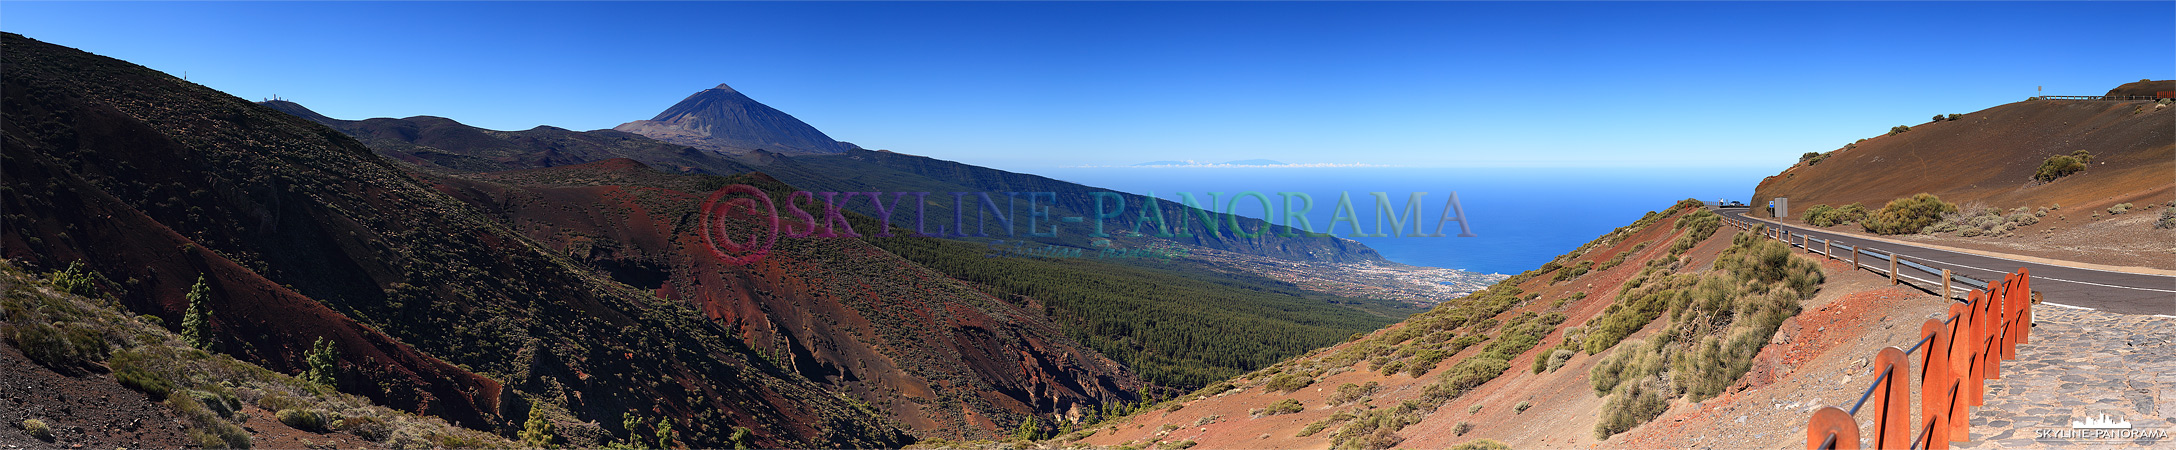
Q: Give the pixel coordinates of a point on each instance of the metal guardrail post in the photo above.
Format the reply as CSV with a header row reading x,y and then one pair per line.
x,y
1892,413
1832,428
1960,354
1960,371
2024,308
1827,249
1935,384
1945,284
1892,268
1855,258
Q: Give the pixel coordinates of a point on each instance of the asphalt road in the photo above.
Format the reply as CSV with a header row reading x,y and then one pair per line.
x,y
2119,292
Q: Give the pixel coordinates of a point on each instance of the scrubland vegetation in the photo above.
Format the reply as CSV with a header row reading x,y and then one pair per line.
x,y
69,333
1719,320
1908,215
2059,166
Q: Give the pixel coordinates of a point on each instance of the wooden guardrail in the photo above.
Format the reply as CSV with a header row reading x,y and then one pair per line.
x,y
1963,351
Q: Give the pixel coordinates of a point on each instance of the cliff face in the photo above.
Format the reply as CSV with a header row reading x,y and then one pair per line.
x,y
723,119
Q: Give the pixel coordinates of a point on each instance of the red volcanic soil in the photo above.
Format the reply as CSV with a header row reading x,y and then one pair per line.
x,y
934,353
1990,156
91,411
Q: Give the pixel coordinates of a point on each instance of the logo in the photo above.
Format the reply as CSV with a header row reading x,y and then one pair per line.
x,y
740,201
742,223
2100,427
2100,423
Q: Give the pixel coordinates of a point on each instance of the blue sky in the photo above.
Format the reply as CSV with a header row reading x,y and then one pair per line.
x,y
1022,86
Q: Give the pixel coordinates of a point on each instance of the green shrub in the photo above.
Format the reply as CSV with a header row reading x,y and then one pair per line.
x,y
369,428
2168,219
2059,166
1287,383
1461,428
1955,117
1325,423
1215,389
1908,215
1481,444
76,279
1899,129
311,420
66,347
1634,361
1180,445
1349,392
151,384
1825,216
1632,404
38,429
1286,406
1473,408
1558,358
1377,429
1702,223
206,428
1521,407
2119,208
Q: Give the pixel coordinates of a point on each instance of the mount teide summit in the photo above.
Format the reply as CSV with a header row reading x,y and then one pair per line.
x,y
725,120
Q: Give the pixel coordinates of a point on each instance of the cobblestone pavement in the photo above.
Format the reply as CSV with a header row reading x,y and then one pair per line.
x,y
2081,364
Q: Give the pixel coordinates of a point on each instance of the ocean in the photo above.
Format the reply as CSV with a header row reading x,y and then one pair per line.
x,y
1521,217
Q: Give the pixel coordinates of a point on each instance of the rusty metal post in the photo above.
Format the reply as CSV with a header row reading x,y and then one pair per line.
x,y
1991,327
2020,314
1973,344
1945,284
1833,427
1893,411
1855,257
1828,249
1959,392
1935,384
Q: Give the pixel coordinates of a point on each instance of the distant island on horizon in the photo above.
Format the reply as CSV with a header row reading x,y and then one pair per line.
x,y
1243,162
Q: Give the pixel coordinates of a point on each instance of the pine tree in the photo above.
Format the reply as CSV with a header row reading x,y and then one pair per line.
x,y
664,433
741,439
323,360
538,432
196,324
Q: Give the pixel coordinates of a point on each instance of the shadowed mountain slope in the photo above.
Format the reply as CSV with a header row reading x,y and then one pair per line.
x,y
303,233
